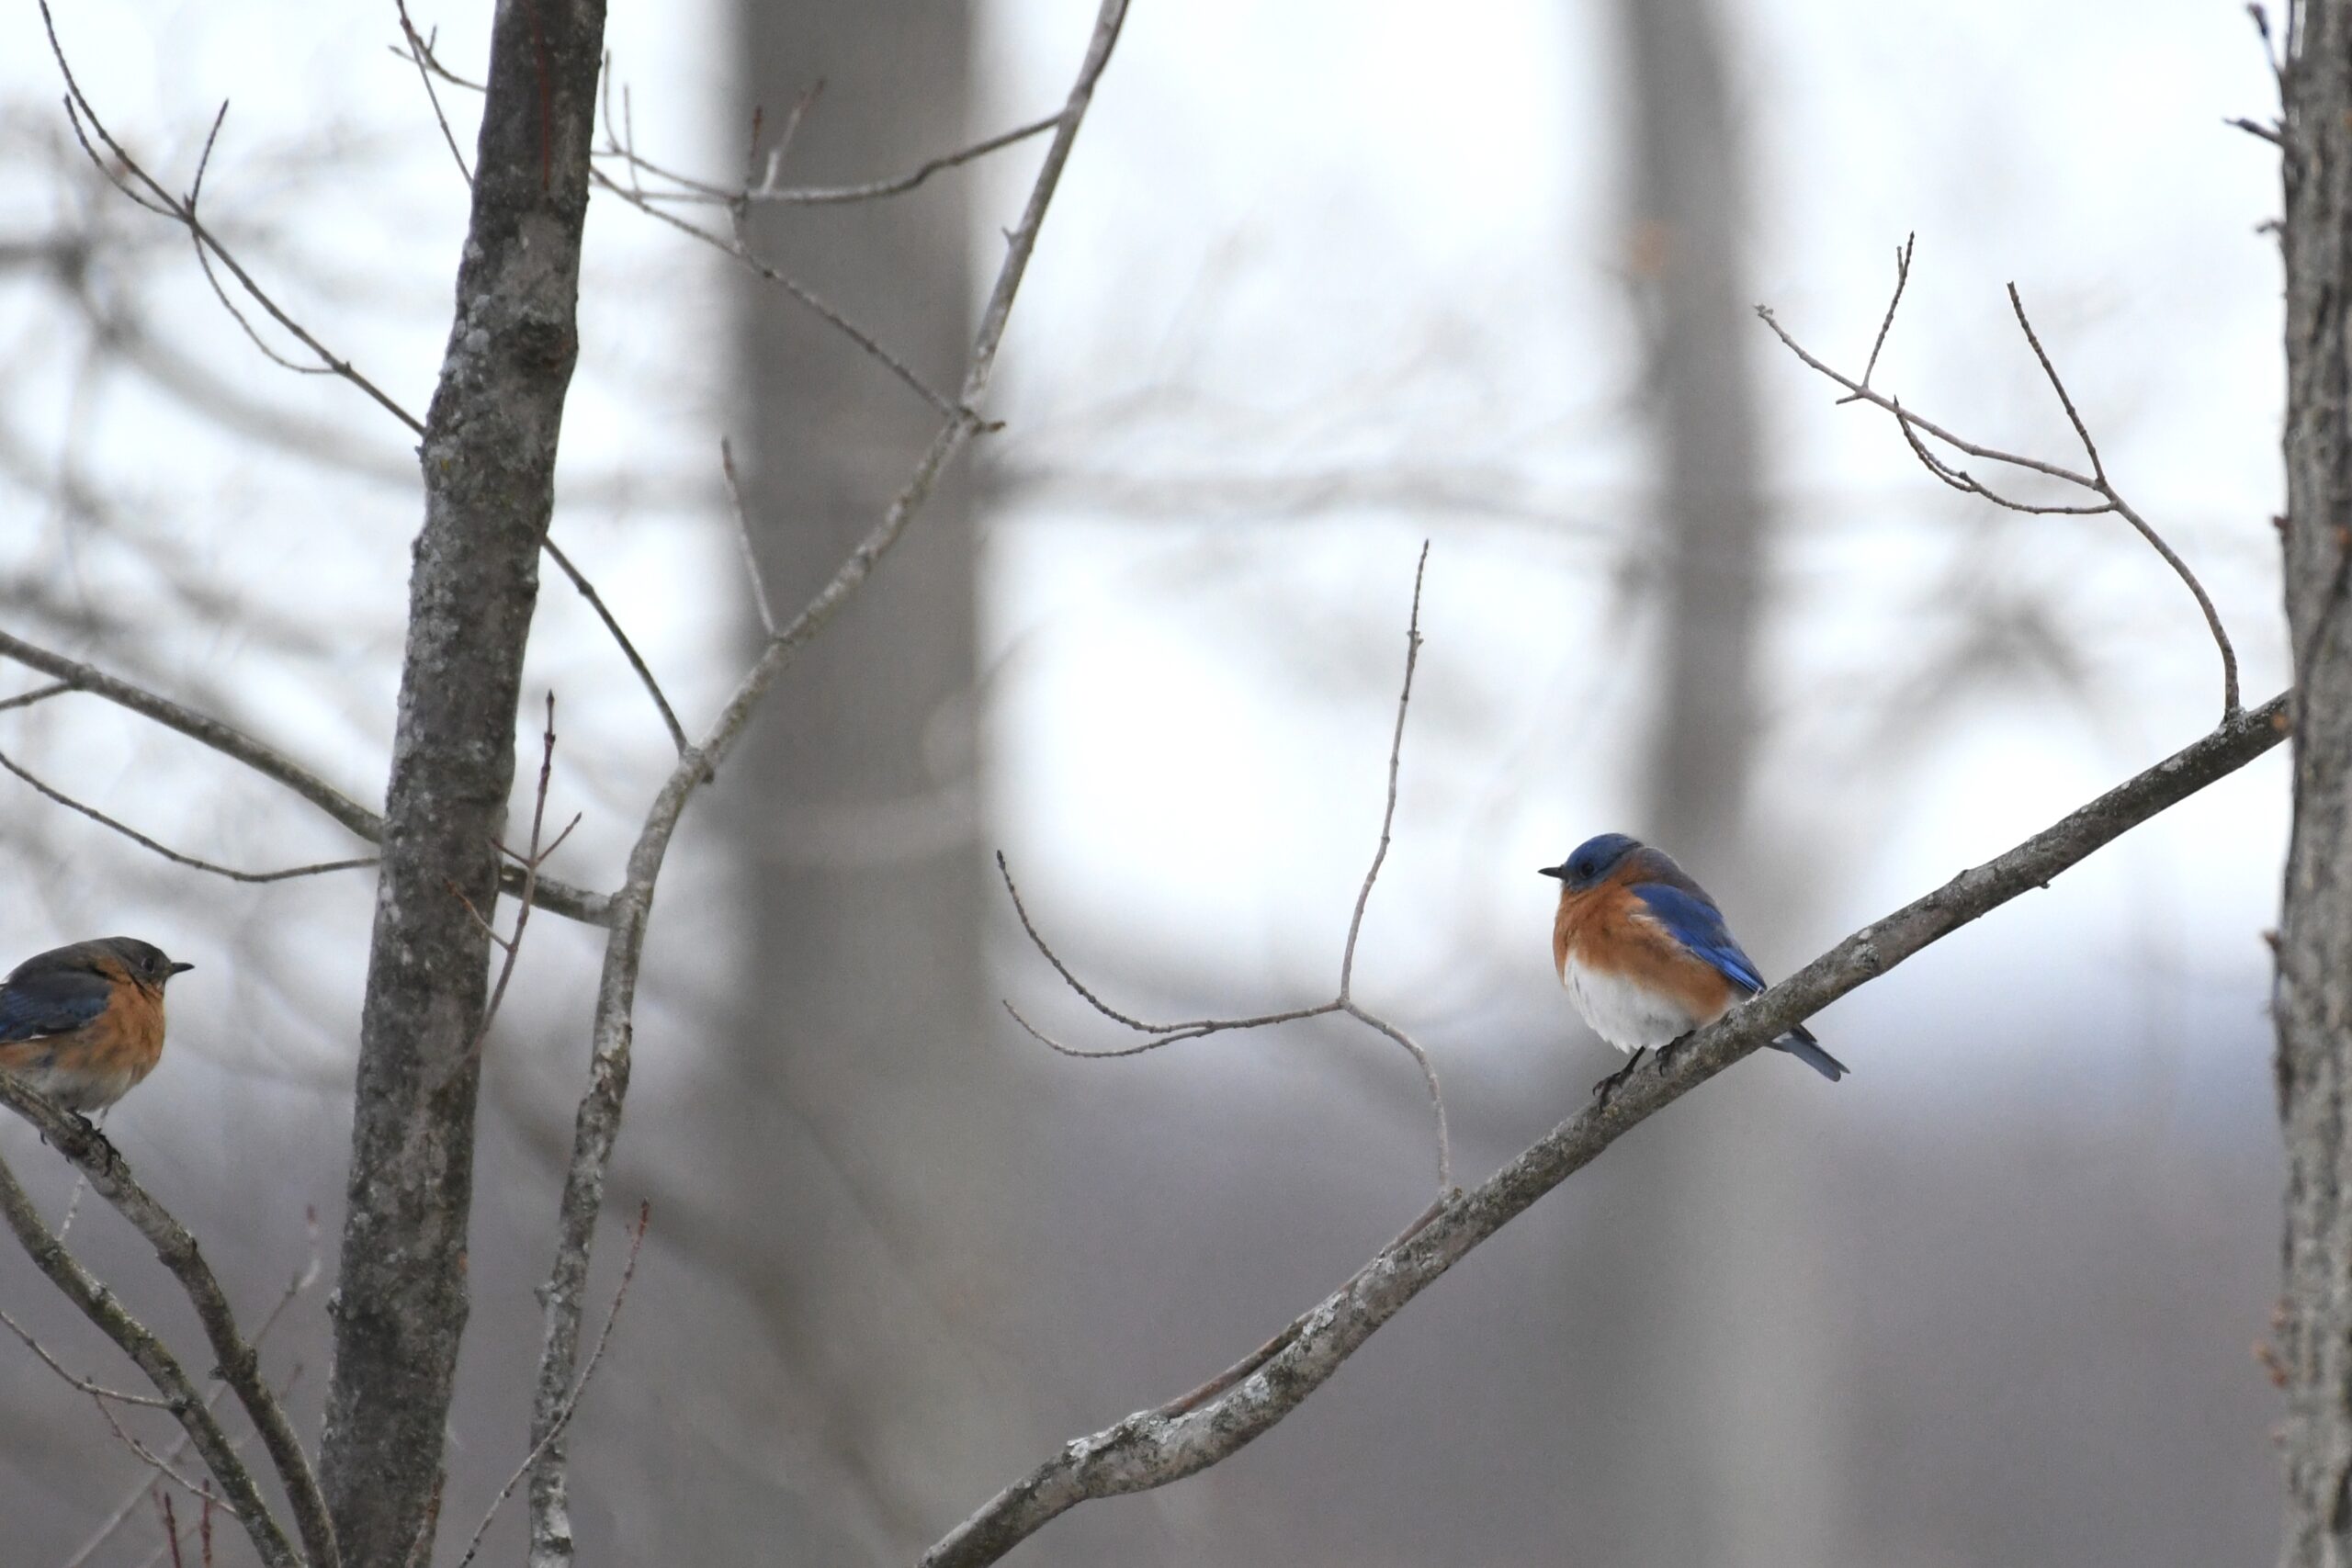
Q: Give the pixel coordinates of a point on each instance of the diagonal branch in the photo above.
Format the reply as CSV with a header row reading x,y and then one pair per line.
x,y
1154,1446
143,842
110,1177
573,903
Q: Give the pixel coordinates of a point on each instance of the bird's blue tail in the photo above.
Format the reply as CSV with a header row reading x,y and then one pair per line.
x,y
1800,1044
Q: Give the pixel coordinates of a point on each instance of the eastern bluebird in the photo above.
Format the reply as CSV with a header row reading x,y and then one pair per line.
x,y
1647,956
83,1023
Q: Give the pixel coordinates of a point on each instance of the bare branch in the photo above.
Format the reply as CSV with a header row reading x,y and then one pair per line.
x,y
629,650
143,842
587,1374
239,1365
147,1352
75,1380
738,247
418,52
1155,1447
573,903
1396,752
530,863
2095,482
304,1278
597,1126
183,210
743,538
38,694
766,192
1886,322
1343,1002
160,199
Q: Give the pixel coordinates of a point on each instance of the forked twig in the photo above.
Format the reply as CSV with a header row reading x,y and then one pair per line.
x,y
1917,430
1343,1002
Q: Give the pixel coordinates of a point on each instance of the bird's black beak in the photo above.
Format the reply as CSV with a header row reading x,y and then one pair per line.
x,y
1559,871
178,969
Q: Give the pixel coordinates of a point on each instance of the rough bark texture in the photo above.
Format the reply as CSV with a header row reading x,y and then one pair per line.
x,y
489,463
2314,1000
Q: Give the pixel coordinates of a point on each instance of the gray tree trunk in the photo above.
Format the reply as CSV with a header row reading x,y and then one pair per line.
x,y
489,465
2314,1000
1727,1373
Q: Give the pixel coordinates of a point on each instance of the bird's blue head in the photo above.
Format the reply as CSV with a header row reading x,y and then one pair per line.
x,y
1592,860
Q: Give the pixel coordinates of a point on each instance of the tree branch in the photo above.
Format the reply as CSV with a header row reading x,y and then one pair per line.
x,y
1155,1447
109,1176
2095,482
143,842
1343,1002
563,898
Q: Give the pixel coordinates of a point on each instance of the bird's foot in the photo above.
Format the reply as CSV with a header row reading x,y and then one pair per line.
x,y
1606,1089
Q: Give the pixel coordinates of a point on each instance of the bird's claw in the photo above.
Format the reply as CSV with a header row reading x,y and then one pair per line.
x,y
1606,1089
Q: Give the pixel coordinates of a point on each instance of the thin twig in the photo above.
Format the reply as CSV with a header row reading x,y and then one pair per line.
x,y
2095,482
110,1177
743,538
572,903
164,202
143,842
629,650
304,1278
90,1386
1154,1446
740,248
530,862
766,193
432,63
204,262
570,1404
1342,1002
142,1453
1886,322
183,210
416,51
1395,754
145,1350
38,694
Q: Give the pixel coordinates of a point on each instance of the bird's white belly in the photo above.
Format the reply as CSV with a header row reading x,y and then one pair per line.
x,y
1626,1015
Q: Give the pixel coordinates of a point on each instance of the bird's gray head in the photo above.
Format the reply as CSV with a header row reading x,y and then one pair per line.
x,y
1591,861
144,959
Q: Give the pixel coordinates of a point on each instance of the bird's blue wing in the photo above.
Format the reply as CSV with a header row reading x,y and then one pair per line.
x,y
51,1001
1698,925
